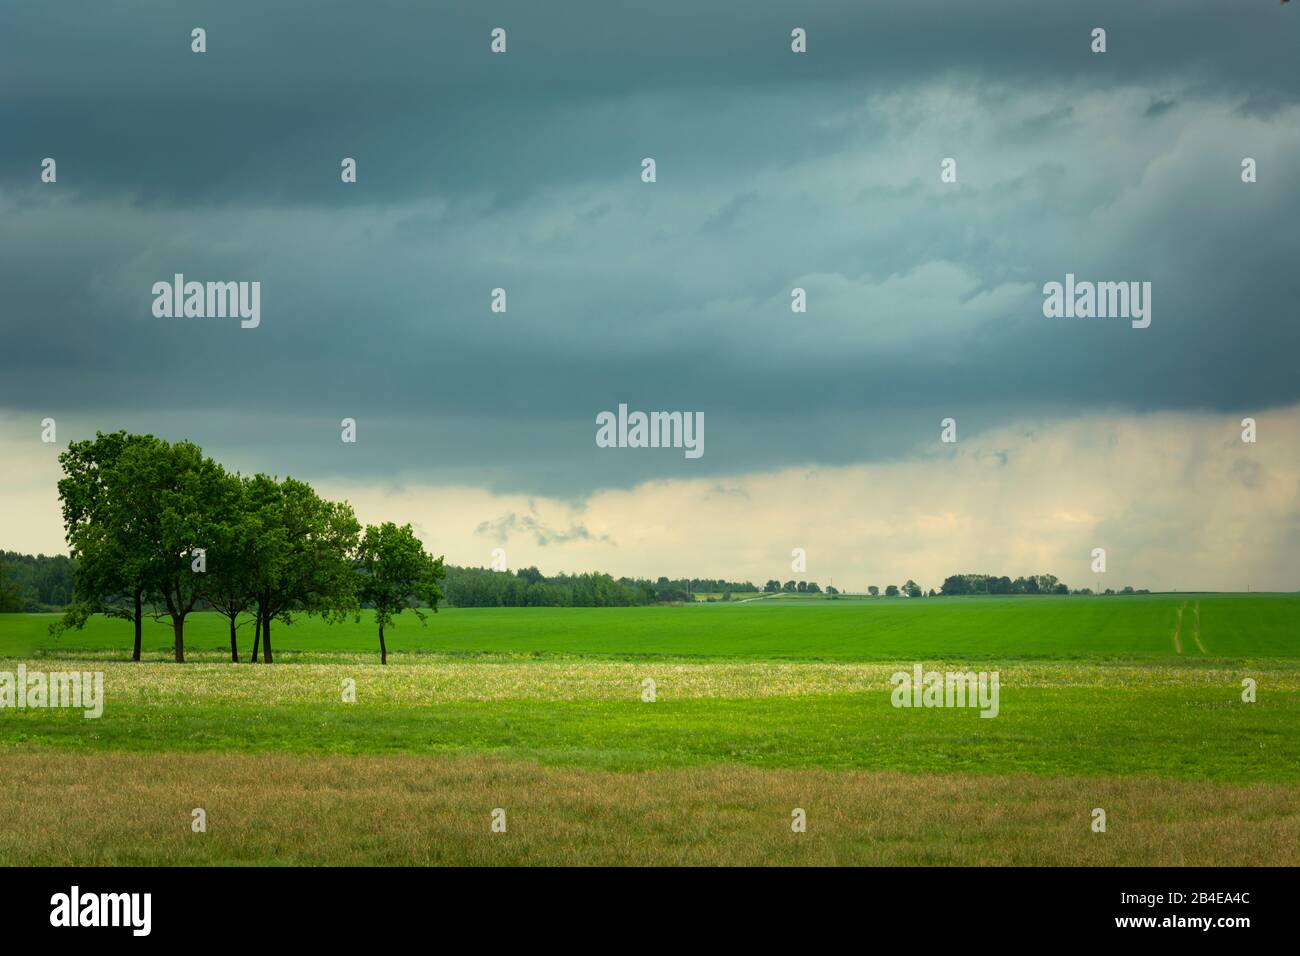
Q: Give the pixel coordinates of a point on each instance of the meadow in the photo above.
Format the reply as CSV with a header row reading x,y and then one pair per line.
x,y
1128,703
1129,627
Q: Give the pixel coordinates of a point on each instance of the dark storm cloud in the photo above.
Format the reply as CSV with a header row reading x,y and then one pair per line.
x,y
521,171
411,89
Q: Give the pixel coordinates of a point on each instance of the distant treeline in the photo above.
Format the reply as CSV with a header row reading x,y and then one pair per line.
x,y
35,582
995,584
45,583
528,587
796,587
1033,584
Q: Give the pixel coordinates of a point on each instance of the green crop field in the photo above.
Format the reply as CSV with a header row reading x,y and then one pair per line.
x,y
1137,627
1131,704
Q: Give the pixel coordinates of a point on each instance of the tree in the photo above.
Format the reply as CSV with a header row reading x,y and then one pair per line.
x,y
106,524
873,590
183,487
771,587
10,598
302,556
394,572
891,591
789,586
42,582
801,587
955,584
912,589
230,555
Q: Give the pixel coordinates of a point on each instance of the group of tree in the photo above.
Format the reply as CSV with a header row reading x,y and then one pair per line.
x,y
528,587
159,528
793,587
35,583
671,590
11,598
911,589
994,584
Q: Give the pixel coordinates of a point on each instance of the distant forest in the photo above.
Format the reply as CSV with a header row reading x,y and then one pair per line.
x,y
43,582
35,583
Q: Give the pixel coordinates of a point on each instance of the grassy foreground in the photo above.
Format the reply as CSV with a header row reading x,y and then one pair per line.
x,y
1130,704
133,809
1174,720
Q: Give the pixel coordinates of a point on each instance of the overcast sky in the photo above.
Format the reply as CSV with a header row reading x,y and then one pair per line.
x,y
775,170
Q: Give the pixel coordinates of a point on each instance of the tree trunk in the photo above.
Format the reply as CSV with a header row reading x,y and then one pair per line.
x,y
178,625
257,635
234,644
383,649
266,640
135,655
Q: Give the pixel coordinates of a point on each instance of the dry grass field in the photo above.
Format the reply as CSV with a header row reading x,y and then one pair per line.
x,y
124,809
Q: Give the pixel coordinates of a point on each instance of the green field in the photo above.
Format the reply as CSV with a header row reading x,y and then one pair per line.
x,y
1118,702
1138,627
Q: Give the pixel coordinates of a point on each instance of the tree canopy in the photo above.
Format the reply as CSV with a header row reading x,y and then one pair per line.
x,y
160,525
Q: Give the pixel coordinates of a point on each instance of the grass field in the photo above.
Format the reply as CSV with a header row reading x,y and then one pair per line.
x,y
1132,704
1138,627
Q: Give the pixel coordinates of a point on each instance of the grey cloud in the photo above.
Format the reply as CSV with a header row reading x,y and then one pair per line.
x,y
500,530
522,172
1159,106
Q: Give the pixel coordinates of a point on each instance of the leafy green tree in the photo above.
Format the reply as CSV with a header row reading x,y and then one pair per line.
x,y
771,587
395,573
302,556
183,487
107,526
789,586
230,555
891,591
912,589
873,590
